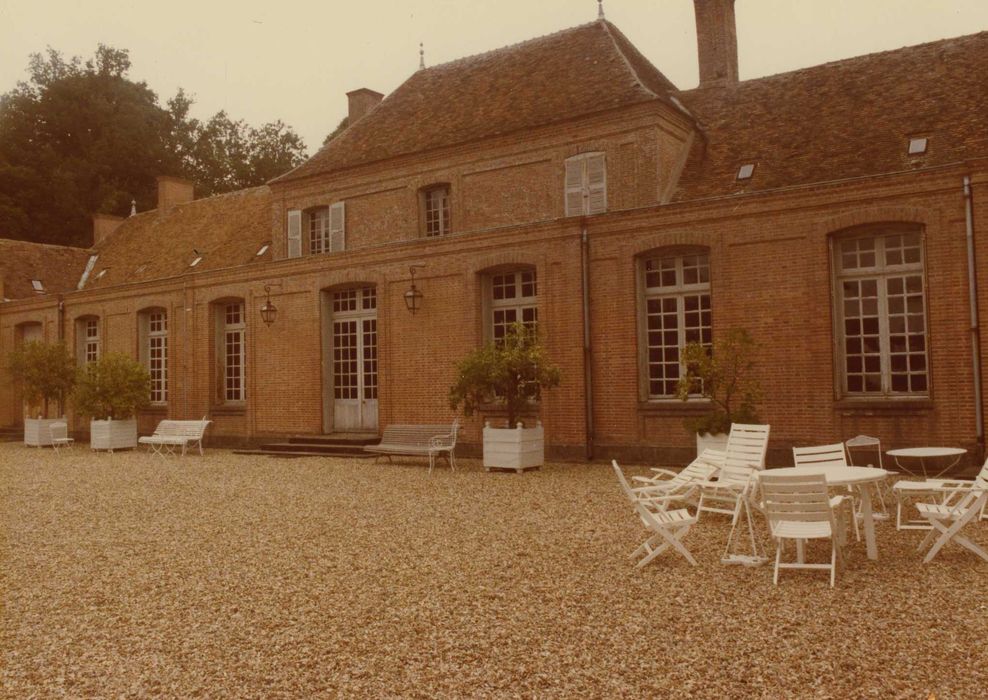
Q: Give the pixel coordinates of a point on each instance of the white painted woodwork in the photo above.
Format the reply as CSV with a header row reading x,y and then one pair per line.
x,y
113,434
37,431
514,448
337,227
709,441
294,233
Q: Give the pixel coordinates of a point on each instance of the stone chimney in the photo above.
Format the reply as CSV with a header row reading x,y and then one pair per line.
x,y
172,191
104,225
361,101
717,42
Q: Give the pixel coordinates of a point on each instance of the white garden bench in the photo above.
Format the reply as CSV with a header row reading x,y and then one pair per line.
x,y
171,434
418,440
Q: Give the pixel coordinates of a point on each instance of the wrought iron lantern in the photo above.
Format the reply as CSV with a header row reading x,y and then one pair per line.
x,y
269,312
413,297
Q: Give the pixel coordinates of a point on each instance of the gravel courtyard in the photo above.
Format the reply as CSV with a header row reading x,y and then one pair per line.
x,y
231,576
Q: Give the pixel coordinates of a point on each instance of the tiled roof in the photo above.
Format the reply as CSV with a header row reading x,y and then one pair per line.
x,y
550,79
58,268
842,120
227,230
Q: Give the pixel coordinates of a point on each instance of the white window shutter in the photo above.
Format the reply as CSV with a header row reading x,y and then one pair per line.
x,y
337,228
574,187
596,184
294,233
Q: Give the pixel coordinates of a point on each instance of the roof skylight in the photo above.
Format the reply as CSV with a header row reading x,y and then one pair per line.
x,y
196,261
917,146
102,273
263,250
746,171
38,286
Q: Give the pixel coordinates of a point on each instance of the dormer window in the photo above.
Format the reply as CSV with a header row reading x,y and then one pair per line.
x,y
917,146
435,206
746,171
38,286
586,184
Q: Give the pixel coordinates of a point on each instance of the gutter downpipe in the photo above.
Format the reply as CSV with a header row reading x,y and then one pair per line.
x,y
587,350
972,282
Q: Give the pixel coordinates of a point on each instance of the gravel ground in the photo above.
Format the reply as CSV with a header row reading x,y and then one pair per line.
x,y
233,576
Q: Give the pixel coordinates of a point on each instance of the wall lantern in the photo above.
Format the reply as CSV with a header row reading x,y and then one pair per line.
x,y
269,312
413,297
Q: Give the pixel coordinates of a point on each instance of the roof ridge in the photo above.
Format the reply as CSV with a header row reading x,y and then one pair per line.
x,y
516,45
851,59
627,62
43,245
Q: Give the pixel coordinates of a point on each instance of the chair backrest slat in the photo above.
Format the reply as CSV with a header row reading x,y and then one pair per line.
x,y
820,456
747,445
796,498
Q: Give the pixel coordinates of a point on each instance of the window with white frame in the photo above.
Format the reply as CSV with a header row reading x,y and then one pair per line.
x,y
317,224
881,313
676,311
87,340
513,297
154,352
436,210
233,351
586,184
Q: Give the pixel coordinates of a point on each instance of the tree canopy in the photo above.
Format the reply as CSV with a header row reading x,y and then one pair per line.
x,y
78,138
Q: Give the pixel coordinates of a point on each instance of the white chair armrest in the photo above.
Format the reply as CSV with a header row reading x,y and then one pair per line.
x,y
659,470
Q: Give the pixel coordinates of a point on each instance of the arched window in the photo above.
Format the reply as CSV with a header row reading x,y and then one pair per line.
x,y
880,312
153,338
675,310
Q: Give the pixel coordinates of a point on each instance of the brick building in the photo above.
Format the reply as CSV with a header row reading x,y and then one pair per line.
x,y
831,211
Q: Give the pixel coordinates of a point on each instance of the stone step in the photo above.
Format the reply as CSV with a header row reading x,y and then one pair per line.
x,y
355,439
316,447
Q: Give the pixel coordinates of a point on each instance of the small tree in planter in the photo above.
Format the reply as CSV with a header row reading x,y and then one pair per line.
x,y
510,373
723,375
111,391
46,373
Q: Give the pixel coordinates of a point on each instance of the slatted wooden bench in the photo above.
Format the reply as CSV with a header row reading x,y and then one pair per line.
x,y
418,440
172,434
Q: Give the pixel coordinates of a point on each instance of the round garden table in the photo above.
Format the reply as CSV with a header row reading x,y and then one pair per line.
x,y
848,476
925,453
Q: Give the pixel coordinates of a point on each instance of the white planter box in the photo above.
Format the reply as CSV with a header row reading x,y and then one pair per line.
x,y
513,448
710,442
113,434
37,432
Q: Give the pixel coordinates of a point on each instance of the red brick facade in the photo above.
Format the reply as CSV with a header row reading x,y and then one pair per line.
x,y
771,272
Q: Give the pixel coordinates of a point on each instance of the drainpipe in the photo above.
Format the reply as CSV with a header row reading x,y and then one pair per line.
x,y
972,282
61,318
587,351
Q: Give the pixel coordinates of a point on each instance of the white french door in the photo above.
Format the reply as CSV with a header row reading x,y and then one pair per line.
x,y
354,359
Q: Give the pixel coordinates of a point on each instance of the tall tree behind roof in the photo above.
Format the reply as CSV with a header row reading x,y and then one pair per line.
x,y
81,137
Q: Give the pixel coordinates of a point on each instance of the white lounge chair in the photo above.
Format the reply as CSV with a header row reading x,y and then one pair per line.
x,y
684,482
658,497
59,435
948,520
824,457
799,508
943,492
745,454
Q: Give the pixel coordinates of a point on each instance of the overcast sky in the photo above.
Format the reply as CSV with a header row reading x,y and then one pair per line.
x,y
295,61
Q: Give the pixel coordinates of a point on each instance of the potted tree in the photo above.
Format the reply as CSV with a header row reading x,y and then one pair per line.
x,y
111,391
46,374
511,374
721,374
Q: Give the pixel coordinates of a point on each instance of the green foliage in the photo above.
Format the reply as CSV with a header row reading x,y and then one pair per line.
x,y
340,128
511,373
79,138
115,386
722,374
45,372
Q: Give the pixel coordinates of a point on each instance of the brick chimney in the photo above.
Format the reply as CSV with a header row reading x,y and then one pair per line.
x,y
361,101
717,42
104,225
172,191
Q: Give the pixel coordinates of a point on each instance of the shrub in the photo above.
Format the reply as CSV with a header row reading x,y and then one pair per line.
x,y
722,374
115,386
511,373
46,373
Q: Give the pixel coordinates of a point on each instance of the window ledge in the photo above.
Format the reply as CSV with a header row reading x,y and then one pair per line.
x,y
155,408
886,407
675,407
228,410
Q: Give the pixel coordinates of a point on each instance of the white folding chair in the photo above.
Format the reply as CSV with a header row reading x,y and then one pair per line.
x,y
867,443
948,520
745,454
59,435
824,457
799,508
658,497
685,481
668,528
942,492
